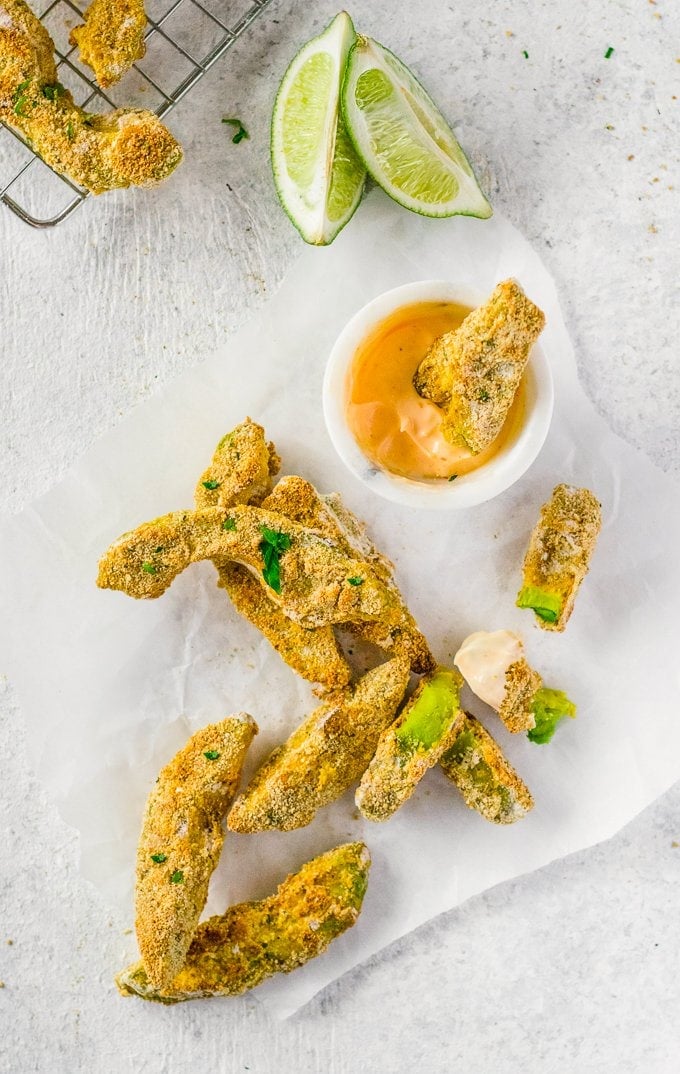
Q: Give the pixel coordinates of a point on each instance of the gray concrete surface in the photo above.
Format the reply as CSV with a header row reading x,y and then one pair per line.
x,y
572,969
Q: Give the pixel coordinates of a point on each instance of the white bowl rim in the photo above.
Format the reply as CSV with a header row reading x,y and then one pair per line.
x,y
470,489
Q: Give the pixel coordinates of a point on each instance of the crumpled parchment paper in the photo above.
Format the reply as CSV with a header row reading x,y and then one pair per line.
x,y
111,687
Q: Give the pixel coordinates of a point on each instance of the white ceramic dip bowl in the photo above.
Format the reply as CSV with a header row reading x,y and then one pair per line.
x,y
505,467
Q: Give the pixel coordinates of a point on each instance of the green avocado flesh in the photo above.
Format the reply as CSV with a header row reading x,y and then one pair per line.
x,y
429,716
549,707
463,749
547,606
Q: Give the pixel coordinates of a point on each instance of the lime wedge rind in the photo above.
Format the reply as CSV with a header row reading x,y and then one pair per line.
x,y
318,176
402,138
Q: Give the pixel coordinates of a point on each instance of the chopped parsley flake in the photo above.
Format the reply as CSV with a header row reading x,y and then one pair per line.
x,y
609,52
177,877
355,581
211,485
52,92
19,106
229,523
525,54
212,755
240,130
452,477
148,568
272,545
159,858
70,133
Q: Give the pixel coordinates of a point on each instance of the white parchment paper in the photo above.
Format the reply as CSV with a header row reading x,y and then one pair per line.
x,y
111,687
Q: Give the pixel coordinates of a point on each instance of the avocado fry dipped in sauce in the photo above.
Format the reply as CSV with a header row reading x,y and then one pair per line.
x,y
493,665
428,725
557,559
236,951
473,372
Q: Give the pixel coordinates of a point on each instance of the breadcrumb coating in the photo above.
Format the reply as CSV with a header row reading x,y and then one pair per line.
x,y
236,951
317,582
181,841
323,756
241,470
557,559
112,38
484,777
425,728
127,147
521,684
474,371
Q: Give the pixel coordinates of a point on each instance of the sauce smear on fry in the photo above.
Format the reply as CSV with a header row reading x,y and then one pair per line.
x,y
394,427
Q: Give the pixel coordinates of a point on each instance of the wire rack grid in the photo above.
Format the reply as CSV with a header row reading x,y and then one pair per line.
x,y
184,38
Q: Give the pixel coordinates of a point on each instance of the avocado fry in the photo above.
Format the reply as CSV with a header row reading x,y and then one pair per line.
x,y
181,841
236,951
240,472
121,148
413,743
299,500
485,778
112,38
241,469
323,756
559,553
473,372
307,575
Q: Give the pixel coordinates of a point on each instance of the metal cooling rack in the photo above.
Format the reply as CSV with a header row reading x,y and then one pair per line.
x,y
183,40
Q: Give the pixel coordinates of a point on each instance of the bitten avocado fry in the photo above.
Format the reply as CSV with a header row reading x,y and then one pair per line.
x,y
487,781
414,742
181,841
323,757
559,553
236,951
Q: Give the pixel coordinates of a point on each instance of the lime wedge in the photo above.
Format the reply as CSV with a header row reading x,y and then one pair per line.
x,y
319,178
403,139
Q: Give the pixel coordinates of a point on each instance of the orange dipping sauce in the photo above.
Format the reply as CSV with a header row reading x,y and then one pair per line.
x,y
394,427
